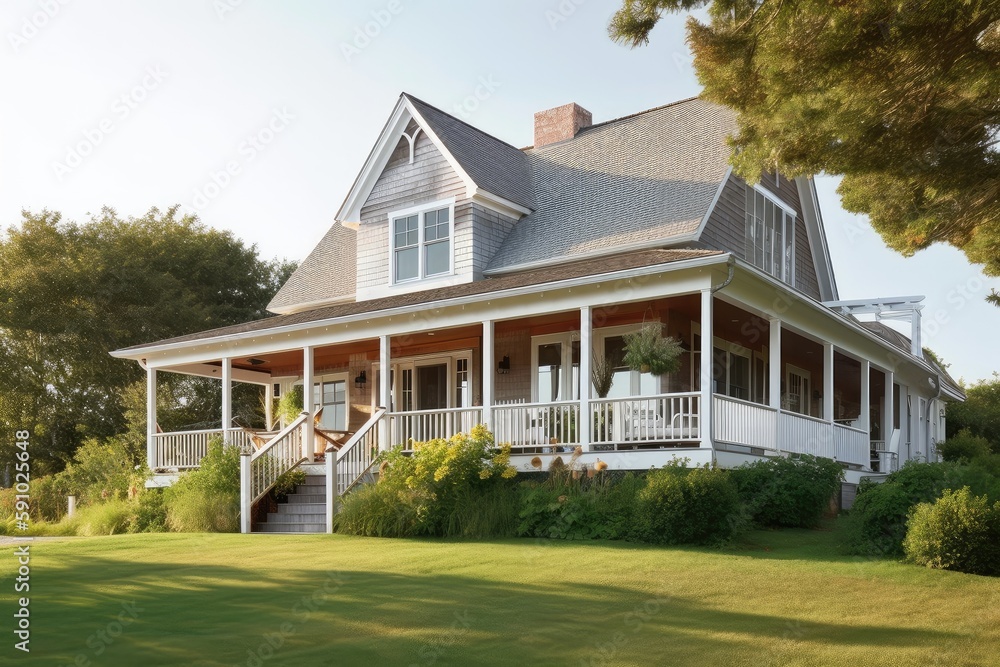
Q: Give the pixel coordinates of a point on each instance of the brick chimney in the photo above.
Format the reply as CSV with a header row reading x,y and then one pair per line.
x,y
560,124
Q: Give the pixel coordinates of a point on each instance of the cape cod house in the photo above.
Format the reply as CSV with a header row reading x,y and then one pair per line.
x,y
467,281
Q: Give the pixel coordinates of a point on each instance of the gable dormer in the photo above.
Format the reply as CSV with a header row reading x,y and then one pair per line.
x,y
435,198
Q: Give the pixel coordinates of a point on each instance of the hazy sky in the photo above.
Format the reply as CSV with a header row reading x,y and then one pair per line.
x,y
258,115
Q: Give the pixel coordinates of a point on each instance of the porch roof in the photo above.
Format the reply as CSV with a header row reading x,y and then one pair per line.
x,y
490,285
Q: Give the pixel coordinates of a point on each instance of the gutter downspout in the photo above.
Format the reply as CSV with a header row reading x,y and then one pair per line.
x,y
707,409
930,404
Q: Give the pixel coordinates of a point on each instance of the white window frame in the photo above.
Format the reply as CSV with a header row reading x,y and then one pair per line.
x,y
330,377
728,347
602,334
786,403
566,363
419,211
788,222
450,359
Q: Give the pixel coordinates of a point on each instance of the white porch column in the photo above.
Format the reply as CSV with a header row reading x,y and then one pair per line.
x,y
828,382
774,364
385,388
585,421
889,409
489,373
227,397
268,405
705,409
866,389
309,435
245,488
151,458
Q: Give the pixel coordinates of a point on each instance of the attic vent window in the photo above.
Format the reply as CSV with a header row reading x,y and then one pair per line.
x,y
421,244
770,234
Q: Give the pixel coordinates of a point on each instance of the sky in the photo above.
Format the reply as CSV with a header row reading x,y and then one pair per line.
x,y
257,116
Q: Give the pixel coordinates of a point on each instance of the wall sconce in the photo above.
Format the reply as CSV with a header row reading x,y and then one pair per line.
x,y
361,380
504,366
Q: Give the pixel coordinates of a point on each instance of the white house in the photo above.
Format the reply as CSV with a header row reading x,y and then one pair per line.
x,y
468,281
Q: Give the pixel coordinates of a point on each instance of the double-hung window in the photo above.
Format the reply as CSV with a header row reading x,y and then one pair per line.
x,y
770,234
421,244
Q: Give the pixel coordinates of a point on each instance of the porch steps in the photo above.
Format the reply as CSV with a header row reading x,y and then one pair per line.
x,y
303,512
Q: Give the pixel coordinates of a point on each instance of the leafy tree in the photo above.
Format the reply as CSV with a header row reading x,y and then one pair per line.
x,y
70,293
901,97
979,414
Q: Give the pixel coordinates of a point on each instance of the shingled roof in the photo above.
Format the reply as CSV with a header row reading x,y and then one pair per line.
x,y
644,179
494,165
328,272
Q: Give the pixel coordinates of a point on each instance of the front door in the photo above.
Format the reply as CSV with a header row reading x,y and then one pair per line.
x,y
432,387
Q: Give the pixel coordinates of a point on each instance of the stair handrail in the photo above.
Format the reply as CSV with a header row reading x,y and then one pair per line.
x,y
358,454
283,452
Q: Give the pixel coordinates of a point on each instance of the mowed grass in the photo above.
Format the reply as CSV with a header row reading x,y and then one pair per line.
x,y
780,598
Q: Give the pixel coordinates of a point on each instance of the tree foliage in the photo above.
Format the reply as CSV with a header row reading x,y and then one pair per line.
x,y
900,97
70,293
979,414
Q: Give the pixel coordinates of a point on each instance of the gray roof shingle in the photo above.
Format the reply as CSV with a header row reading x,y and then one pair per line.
x,y
328,273
494,165
642,179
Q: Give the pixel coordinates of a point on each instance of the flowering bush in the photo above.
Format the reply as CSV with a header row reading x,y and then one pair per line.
x,y
424,491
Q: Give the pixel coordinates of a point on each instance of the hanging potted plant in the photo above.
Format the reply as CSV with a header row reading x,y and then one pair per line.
x,y
647,351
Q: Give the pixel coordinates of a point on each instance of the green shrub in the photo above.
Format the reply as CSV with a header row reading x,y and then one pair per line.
x,y
957,532
963,446
788,492
111,517
580,508
879,515
376,510
102,470
149,513
48,498
207,499
484,513
701,506
287,482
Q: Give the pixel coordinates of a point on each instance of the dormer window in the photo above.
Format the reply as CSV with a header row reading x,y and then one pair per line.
x,y
421,242
770,234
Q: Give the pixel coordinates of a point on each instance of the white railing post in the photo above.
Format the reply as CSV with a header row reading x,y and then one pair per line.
x,y
227,397
585,421
151,457
331,487
489,373
307,429
385,387
307,401
705,402
246,498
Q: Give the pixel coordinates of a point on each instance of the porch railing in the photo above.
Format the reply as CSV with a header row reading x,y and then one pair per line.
x,y
281,454
744,423
356,457
537,424
186,449
883,460
421,425
646,419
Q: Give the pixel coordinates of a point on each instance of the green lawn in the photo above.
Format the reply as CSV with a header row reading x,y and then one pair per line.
x,y
782,598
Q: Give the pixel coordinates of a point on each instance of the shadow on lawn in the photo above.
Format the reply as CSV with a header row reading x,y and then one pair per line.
x,y
223,615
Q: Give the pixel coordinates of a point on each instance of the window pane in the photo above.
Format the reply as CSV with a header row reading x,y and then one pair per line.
x,y
549,370
739,377
442,216
406,263
437,258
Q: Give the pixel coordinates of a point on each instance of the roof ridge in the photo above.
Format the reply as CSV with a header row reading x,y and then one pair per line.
x,y
469,125
639,113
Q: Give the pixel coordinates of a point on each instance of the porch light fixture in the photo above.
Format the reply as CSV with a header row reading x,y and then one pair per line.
x,y
255,361
361,380
504,366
